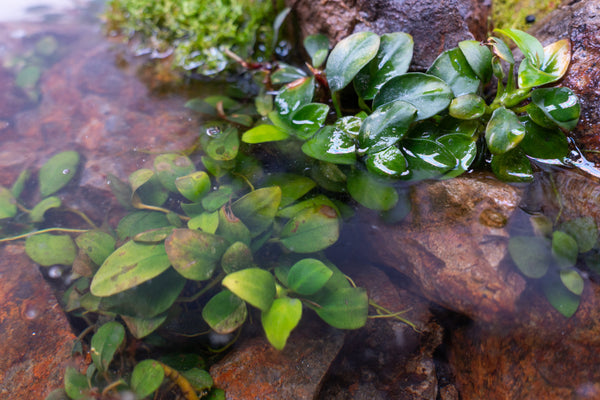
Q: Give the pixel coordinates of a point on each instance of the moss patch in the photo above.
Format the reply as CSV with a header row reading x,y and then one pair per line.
x,y
513,13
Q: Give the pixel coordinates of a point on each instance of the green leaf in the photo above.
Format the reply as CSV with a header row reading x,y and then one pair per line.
x,y
385,126
223,144
292,186
237,256
345,308
76,384
19,183
479,58
253,285
348,57
264,133
206,222
217,199
512,166
131,264
584,230
57,172
8,203
529,45
559,104
284,74
105,343
501,51
308,119
452,67
530,76
294,209
429,94
58,394
293,96
572,281
562,299
557,57
140,221
146,188
392,59
169,167
142,327
539,117
504,131
199,379
231,228
427,159
531,254
317,47
312,229
28,77
279,321
564,249
193,186
388,162
96,244
146,378
194,254
37,213
47,250
467,106
257,209
544,143
308,276
331,145
370,192
463,147
225,312
154,235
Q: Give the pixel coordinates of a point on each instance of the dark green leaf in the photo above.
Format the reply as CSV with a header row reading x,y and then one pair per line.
x,y
231,228
8,203
559,104
105,343
311,230
146,188
76,384
563,300
564,249
584,230
316,201
279,321
467,106
427,159
222,145
253,285
371,193
539,117
308,119
348,57
317,47
429,94
199,379
47,250
146,378
504,131
512,166
452,67
217,199
331,145
387,162
257,209
285,74
308,276
385,126
544,143
531,254
294,95
57,172
96,244
194,254
501,50
37,213
463,147
345,308
225,312
140,221
237,256
479,58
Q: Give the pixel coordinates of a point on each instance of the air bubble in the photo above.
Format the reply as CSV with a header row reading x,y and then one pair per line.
x,y
66,171
55,272
213,131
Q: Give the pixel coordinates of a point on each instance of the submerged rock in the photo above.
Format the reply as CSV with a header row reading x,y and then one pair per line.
x,y
436,25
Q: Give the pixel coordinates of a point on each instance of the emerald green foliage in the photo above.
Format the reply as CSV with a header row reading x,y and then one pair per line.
x,y
198,31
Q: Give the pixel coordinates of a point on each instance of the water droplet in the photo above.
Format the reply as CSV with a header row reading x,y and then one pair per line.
x,y
55,272
66,171
30,311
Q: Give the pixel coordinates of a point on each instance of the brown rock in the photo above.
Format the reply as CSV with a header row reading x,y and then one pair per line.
x,y
578,21
435,25
36,337
453,244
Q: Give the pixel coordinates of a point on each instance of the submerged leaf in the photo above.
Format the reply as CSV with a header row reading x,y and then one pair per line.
x,y
345,308
47,250
308,276
146,378
105,343
253,285
171,166
370,192
531,254
8,203
57,172
311,230
225,312
257,209
280,319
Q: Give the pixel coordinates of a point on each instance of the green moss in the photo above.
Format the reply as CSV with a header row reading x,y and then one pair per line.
x,y
512,13
198,31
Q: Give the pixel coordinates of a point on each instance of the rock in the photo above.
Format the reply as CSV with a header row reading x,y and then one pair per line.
x,y
36,336
578,21
254,369
453,244
435,25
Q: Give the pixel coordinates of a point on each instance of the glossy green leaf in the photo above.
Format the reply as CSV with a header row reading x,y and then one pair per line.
x,y
427,159
146,378
217,199
530,76
200,379
170,166
512,166
564,249
105,343
194,254
500,50
345,308
531,254
463,126
37,213
293,96
557,57
452,67
231,227
222,144
348,57
96,244
57,172
307,276
206,222
225,312
463,147
479,58
544,143
193,186
8,203
317,47
308,119
504,131
264,133
253,285
392,59
529,45
280,319
257,209
331,145
131,264
292,186
467,106
140,221
559,104
584,230
312,229
47,250
572,281
428,93
388,162
285,73
385,126
76,384
562,299
539,117
370,192
237,256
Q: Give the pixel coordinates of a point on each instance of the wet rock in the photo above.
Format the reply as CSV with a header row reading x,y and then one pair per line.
x,y
435,25
387,359
254,369
36,336
453,245
578,21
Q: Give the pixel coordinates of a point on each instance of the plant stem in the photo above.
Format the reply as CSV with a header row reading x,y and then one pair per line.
x,y
383,312
24,235
336,104
83,216
205,289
